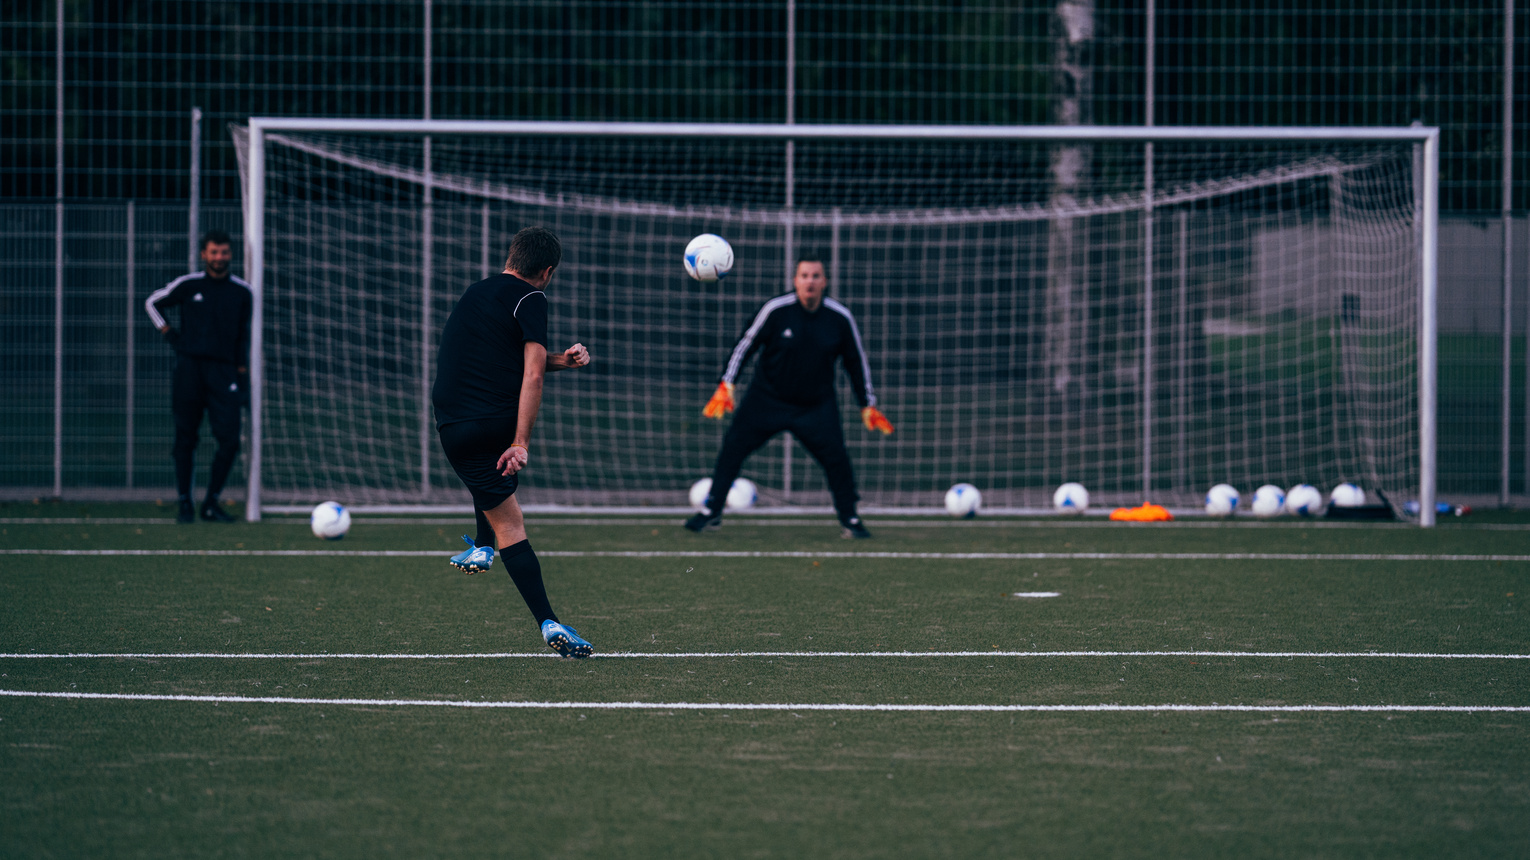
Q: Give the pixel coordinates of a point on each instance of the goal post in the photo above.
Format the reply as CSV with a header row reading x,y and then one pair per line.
x,y
1040,304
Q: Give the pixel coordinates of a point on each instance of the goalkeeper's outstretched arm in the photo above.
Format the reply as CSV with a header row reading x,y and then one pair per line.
x,y
748,343
853,356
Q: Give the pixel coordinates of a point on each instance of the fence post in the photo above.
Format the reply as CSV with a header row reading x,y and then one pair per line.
x,y
194,211
58,257
131,358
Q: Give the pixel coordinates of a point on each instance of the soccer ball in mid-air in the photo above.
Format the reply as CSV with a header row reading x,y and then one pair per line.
x,y
741,496
1071,498
708,258
1347,495
330,520
963,500
1304,500
1268,500
1221,500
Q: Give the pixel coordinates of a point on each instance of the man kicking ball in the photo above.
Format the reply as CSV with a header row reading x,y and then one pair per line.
x,y
487,392
800,336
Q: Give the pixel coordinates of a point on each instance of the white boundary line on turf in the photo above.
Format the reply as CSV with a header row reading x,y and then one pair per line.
x,y
1402,655
766,706
811,520
951,556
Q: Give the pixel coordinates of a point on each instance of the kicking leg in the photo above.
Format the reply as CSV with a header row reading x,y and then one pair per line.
x,y
526,572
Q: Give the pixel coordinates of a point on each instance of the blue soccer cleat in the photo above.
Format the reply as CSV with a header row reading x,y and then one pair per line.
x,y
565,640
474,559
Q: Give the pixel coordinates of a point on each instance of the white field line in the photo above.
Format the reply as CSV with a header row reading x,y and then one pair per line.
x,y
766,706
795,521
945,556
1398,655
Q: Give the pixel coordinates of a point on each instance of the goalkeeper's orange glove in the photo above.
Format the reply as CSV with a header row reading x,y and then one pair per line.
x,y
721,403
873,418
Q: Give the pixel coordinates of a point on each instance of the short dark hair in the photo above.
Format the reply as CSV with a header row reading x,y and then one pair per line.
x,y
808,257
533,251
214,237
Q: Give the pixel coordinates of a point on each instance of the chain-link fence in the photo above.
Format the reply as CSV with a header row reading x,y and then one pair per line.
x,y
98,112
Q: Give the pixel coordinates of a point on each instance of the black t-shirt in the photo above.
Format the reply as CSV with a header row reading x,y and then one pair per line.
x,y
482,355
798,351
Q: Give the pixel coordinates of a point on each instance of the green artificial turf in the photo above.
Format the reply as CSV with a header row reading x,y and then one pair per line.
x,y
202,778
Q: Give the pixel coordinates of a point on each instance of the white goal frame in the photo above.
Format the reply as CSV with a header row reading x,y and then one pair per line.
x,y
1427,169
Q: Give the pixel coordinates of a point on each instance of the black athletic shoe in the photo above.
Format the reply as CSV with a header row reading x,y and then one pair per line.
x,y
187,513
704,522
214,513
854,528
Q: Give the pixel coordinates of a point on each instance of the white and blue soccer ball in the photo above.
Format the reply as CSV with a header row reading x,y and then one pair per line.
x,y
1222,500
1071,498
1269,500
963,500
1347,495
330,520
708,258
741,496
1304,500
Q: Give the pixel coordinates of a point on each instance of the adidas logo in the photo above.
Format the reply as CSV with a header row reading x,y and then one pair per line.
x,y
787,333
197,297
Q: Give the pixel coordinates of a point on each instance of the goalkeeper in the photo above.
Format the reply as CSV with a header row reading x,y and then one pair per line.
x,y
799,336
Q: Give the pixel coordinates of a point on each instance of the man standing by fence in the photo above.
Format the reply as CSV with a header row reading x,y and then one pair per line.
x,y
212,357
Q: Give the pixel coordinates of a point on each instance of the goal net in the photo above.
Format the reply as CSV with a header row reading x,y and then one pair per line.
x,y
1145,318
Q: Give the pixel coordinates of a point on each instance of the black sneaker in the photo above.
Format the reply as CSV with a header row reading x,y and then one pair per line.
x,y
854,528
704,522
214,513
187,513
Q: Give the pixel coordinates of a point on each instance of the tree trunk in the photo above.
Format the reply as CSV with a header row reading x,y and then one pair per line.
x,y
1072,96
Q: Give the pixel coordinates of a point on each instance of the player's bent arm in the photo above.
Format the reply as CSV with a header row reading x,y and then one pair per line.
x,y
575,356
517,455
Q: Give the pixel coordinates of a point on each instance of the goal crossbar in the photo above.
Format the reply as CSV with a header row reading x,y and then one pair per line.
x,y
1427,140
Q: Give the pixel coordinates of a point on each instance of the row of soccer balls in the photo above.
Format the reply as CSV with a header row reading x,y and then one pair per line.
x,y
1303,500
330,520
965,500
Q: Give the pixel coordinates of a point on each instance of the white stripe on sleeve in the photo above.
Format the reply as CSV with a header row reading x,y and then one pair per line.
x,y
871,398
736,361
160,294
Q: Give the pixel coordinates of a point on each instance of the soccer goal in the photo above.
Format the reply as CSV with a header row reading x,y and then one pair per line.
x,y
1146,311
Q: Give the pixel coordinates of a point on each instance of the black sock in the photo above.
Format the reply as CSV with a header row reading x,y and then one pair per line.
x,y
485,531
210,502
526,572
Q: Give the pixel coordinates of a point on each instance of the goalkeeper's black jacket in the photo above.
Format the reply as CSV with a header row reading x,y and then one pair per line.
x,y
215,316
798,350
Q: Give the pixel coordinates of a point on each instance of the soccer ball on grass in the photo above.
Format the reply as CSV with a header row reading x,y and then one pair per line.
x,y
963,500
1347,495
1071,498
741,496
1221,500
1268,500
1304,500
330,520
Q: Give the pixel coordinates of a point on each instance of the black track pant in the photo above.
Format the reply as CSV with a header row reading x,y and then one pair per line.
x,y
202,385
817,427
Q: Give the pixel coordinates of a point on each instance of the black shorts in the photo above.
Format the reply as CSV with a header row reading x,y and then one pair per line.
x,y
473,448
